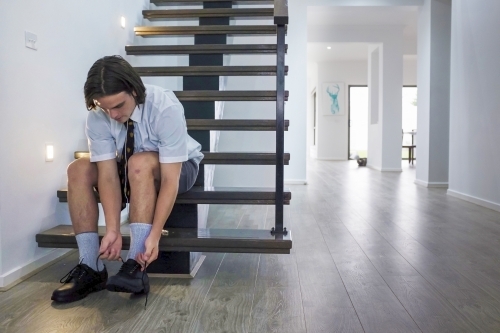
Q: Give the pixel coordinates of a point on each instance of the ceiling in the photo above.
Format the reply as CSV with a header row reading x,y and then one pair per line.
x,y
406,16
318,52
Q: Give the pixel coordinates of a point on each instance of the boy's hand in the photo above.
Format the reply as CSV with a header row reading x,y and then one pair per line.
x,y
111,245
151,253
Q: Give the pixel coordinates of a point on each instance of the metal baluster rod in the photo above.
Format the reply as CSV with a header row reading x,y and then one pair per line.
x,y
280,126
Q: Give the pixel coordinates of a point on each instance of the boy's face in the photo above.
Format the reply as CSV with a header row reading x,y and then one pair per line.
x,y
119,107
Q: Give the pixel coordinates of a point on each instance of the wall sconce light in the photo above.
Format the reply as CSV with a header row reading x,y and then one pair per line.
x,y
328,47
49,152
122,21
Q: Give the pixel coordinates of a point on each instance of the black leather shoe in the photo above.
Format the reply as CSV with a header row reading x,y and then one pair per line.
x,y
79,282
129,279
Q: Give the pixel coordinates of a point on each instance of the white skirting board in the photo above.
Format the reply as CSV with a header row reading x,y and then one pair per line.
x,y
296,181
384,169
19,274
475,200
431,184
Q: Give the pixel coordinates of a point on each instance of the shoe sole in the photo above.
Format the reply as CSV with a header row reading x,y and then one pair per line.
x,y
75,298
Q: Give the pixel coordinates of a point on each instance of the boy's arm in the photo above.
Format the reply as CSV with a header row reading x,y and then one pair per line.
x,y
169,187
108,183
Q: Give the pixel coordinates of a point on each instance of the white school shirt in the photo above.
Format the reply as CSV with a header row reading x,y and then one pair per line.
x,y
160,126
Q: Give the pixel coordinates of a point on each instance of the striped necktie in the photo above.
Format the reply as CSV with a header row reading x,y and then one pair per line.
x,y
127,151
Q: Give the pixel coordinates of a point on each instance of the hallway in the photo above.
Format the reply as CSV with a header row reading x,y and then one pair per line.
x,y
372,252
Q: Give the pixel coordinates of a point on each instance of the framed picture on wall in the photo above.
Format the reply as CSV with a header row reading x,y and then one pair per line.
x,y
333,100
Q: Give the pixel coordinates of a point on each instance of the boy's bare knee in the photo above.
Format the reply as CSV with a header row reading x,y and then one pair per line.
x,y
81,170
141,166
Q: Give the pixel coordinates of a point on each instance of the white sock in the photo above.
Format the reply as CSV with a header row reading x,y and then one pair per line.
x,y
139,232
88,246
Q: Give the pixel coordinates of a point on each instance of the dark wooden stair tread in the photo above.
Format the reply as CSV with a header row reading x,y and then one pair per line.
x,y
227,95
208,71
191,2
233,124
186,240
243,158
202,49
207,12
234,158
220,195
146,31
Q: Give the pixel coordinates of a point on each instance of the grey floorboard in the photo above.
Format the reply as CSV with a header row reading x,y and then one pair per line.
x,y
431,311
228,304
372,252
277,309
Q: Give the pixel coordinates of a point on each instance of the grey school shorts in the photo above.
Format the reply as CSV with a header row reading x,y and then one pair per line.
x,y
189,172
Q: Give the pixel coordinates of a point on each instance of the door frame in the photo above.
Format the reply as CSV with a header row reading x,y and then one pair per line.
x,y
314,102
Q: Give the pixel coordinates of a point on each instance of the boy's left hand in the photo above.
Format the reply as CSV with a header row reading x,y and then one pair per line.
x,y
151,253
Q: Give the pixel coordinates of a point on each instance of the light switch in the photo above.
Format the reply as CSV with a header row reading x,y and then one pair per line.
x,y
30,40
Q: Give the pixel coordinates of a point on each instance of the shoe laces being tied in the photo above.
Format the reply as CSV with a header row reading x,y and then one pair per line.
x,y
129,268
76,272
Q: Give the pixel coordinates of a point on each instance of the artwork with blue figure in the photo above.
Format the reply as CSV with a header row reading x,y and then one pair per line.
x,y
333,99
334,96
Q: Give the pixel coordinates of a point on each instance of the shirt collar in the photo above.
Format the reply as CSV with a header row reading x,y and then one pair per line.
x,y
137,114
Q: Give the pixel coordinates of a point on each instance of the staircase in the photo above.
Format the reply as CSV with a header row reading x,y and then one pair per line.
x,y
201,91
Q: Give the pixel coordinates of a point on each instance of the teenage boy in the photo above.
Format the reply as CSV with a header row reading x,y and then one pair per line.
x,y
141,154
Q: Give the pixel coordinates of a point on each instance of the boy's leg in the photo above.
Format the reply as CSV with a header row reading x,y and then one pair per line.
x,y
144,177
90,274
83,210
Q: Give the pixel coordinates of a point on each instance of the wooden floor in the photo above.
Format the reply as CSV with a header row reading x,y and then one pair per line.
x,y
373,252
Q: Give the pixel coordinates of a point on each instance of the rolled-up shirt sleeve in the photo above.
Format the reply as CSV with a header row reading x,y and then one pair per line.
x,y
172,135
102,145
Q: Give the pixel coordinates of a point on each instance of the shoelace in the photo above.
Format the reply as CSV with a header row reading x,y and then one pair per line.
x,y
130,268
77,269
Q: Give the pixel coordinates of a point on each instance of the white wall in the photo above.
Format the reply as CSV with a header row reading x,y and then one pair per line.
x,y
433,93
240,141
42,101
410,70
474,167
365,2
295,108
332,130
391,39
375,98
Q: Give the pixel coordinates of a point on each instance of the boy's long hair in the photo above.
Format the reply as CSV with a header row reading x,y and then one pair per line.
x,y
109,76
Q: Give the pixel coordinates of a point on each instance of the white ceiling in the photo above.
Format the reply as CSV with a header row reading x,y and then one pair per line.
x,y
402,16
318,52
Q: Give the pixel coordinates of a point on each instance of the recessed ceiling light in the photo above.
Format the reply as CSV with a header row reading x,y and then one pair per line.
x,y
328,47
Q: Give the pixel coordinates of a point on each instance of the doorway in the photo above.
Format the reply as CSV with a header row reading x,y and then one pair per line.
x,y
409,120
357,122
